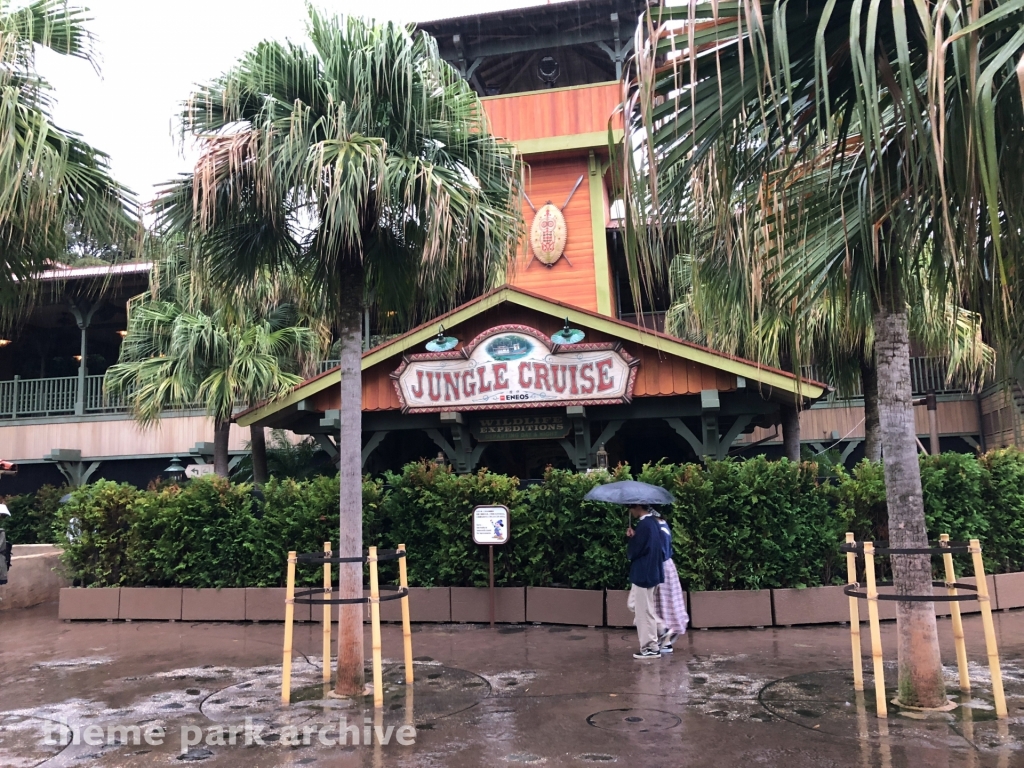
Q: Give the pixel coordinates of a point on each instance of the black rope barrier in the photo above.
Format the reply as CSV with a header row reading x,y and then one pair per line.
x,y
851,590
939,548
319,558
305,596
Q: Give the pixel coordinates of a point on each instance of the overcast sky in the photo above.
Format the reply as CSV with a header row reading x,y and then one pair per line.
x,y
153,53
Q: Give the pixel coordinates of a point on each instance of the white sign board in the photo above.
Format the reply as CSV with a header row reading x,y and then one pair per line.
x,y
198,470
490,525
514,366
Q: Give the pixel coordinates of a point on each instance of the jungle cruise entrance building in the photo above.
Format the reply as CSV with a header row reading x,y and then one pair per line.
x,y
511,395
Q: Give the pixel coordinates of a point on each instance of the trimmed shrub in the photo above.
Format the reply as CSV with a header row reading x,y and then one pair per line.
x,y
751,524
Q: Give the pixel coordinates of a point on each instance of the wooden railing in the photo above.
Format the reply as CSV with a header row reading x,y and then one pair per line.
x,y
927,374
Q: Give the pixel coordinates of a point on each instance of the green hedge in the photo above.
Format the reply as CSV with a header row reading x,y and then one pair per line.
x,y
738,524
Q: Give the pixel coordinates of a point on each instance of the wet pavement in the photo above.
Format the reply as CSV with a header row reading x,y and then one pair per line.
x,y
515,695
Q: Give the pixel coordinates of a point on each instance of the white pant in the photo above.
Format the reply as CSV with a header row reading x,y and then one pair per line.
x,y
645,618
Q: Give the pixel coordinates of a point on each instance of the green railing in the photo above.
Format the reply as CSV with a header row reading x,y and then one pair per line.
x,y
41,398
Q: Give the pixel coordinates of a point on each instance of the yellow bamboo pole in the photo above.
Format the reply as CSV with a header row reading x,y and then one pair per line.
x,y
851,578
876,633
958,624
378,674
403,582
327,615
289,621
990,630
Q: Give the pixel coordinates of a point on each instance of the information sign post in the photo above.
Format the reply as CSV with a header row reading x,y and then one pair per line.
x,y
490,527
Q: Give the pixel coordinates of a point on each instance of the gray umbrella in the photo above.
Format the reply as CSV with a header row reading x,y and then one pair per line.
x,y
630,492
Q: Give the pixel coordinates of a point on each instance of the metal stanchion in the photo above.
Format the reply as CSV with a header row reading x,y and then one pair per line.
x,y
876,634
289,621
378,675
403,583
851,578
990,630
327,613
954,612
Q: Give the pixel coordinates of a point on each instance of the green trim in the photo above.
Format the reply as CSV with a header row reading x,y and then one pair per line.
x,y
548,90
570,142
764,376
602,272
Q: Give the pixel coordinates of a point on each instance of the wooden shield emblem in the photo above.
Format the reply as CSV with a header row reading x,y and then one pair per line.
x,y
547,235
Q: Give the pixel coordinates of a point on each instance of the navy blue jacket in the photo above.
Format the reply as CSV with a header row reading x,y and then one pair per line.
x,y
646,553
666,535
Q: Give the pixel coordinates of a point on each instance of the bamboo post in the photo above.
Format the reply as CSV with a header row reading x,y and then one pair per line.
x,y
289,622
403,582
851,578
876,633
990,631
958,624
378,674
327,614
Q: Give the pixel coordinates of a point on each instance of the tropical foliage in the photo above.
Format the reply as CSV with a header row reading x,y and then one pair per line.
x,y
363,162
188,345
879,159
737,525
51,182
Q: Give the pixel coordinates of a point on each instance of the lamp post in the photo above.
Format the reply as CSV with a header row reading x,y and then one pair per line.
x,y
175,470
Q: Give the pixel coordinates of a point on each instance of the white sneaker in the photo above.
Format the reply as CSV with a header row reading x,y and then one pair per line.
x,y
647,653
666,649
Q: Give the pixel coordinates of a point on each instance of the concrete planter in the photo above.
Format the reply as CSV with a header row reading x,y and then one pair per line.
x,y
78,603
36,577
550,605
1010,590
734,608
472,604
616,611
150,603
815,605
267,604
213,605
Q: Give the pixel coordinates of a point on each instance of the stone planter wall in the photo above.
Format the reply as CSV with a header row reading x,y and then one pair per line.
x,y
546,605
472,604
731,609
1010,590
550,605
35,577
213,605
817,605
616,610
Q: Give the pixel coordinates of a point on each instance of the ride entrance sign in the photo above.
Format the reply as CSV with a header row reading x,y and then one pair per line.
x,y
490,527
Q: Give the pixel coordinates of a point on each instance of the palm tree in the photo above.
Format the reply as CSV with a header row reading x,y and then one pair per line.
x,y
896,143
364,162
186,346
51,182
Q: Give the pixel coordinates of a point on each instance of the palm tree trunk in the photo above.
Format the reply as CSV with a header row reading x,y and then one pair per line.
x,y
350,681
872,429
258,446
790,432
221,429
920,669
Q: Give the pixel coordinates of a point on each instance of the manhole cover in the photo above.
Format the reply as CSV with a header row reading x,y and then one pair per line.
x,y
640,720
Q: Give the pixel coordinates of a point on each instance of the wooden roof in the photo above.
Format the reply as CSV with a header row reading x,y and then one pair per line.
x,y
668,366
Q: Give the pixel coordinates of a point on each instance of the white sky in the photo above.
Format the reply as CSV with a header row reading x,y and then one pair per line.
x,y
153,53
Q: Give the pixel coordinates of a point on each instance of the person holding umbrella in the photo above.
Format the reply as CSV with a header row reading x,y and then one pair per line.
x,y
646,553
